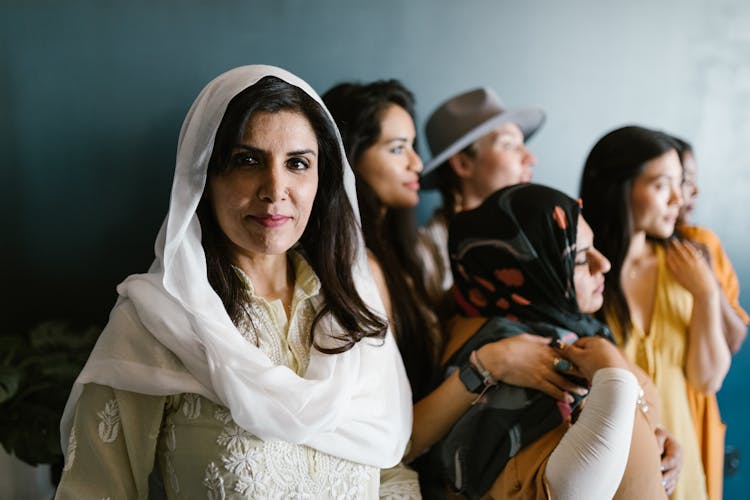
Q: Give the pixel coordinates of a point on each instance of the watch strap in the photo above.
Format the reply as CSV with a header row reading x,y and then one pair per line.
x,y
471,378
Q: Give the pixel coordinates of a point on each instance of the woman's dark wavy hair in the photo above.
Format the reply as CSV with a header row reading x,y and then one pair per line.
x,y
328,241
612,165
449,185
390,233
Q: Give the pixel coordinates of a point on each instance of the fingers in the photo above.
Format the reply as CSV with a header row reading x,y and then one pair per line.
x,y
669,486
587,342
678,252
677,257
672,456
576,372
537,339
671,467
684,252
565,385
689,267
671,463
669,479
575,351
661,436
554,391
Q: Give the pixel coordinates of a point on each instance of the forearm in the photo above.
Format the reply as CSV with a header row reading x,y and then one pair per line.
x,y
113,444
735,330
708,355
590,460
436,413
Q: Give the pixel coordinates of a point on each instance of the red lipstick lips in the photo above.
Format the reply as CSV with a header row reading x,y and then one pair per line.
x,y
270,220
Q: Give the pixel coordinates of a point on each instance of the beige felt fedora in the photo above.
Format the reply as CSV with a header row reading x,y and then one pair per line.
x,y
466,117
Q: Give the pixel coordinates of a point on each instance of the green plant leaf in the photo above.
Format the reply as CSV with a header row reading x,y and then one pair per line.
x,y
37,370
10,380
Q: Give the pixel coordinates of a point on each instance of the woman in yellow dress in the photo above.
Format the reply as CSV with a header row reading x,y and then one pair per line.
x,y
661,299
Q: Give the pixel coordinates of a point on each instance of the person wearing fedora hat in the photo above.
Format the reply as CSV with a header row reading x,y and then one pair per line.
x,y
478,146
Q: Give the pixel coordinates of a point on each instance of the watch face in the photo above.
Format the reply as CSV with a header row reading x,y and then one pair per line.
x,y
470,378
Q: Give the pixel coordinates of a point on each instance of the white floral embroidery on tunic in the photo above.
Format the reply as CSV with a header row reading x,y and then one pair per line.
x,y
233,437
239,464
263,469
169,429
191,406
400,490
222,415
276,469
172,474
109,421
253,486
214,483
71,452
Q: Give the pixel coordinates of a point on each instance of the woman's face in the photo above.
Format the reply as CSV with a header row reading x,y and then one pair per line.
x,y
391,166
589,271
263,202
656,196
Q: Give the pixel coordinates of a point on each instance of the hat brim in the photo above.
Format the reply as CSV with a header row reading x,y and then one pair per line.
x,y
528,120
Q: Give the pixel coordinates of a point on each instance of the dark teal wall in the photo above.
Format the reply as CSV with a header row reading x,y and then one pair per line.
x,y
92,95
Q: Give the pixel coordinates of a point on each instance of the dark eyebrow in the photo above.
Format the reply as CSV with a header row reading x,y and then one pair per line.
x,y
261,152
252,149
302,152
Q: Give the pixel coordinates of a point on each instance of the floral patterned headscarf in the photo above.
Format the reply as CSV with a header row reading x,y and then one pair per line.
x,y
514,255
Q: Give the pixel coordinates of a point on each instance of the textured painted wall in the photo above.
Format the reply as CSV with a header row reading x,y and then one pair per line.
x,y
92,94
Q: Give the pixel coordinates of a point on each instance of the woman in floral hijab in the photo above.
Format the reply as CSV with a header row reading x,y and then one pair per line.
x,y
525,260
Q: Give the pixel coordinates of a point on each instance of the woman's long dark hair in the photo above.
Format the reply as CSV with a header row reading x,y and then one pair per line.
x,y
607,181
328,241
390,233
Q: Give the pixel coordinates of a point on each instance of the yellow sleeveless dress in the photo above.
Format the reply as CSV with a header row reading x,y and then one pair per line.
x,y
661,353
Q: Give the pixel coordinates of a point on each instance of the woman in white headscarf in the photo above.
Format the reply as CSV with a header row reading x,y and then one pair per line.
x,y
252,360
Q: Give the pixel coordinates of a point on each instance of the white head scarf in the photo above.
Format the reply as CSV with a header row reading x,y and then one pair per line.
x,y
355,405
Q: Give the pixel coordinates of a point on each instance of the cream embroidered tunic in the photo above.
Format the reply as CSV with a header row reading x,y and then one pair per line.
x,y
199,450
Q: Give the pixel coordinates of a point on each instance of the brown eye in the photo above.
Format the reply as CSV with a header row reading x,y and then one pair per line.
x,y
298,164
244,160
